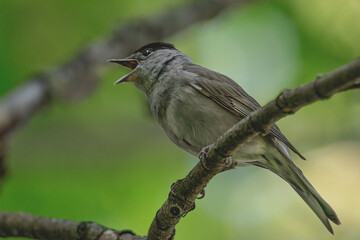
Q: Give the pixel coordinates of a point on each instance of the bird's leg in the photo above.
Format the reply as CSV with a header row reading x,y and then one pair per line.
x,y
229,164
203,155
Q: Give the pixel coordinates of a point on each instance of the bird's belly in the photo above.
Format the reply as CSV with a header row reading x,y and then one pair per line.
x,y
194,121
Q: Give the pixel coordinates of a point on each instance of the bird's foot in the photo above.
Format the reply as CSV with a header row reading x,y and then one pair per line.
x,y
203,155
229,164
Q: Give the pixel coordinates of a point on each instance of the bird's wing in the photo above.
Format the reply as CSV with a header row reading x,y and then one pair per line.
x,y
229,95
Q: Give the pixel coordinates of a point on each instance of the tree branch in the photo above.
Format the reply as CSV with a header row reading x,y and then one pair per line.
x,y
30,226
182,197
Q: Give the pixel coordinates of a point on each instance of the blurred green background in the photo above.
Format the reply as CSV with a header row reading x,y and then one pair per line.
x,y
104,159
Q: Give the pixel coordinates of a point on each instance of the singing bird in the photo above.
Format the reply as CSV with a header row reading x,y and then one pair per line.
x,y
195,105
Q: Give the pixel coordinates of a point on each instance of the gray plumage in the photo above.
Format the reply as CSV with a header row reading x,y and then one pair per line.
x,y
195,105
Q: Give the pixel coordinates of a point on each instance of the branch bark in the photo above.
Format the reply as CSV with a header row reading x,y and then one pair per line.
x,y
182,197
30,226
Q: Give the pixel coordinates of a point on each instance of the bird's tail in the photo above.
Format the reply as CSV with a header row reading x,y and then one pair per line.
x,y
287,170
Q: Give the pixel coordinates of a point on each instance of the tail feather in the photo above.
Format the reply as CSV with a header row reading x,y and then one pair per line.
x,y
290,173
330,213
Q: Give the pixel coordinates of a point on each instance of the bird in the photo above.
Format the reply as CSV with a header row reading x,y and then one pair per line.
x,y
195,105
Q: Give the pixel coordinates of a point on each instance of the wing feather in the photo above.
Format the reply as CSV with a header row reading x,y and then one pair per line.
x,y
229,95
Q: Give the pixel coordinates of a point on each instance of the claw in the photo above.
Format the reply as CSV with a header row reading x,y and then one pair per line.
x,y
204,151
229,164
203,155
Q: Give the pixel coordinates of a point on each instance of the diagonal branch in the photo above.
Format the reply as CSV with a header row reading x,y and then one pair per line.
x,y
30,226
182,198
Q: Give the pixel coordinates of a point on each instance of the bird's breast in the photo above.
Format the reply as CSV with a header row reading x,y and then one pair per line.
x,y
191,120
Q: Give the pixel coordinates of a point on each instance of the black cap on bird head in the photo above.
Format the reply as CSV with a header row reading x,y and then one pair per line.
x,y
156,46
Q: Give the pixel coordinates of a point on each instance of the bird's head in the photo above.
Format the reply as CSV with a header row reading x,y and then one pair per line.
x,y
147,64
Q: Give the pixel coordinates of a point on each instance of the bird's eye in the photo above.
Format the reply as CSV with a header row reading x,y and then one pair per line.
x,y
146,52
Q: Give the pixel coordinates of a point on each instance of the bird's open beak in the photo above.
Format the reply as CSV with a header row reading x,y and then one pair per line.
x,y
130,63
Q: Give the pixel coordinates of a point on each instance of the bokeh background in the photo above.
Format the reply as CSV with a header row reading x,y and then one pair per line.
x,y
104,159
